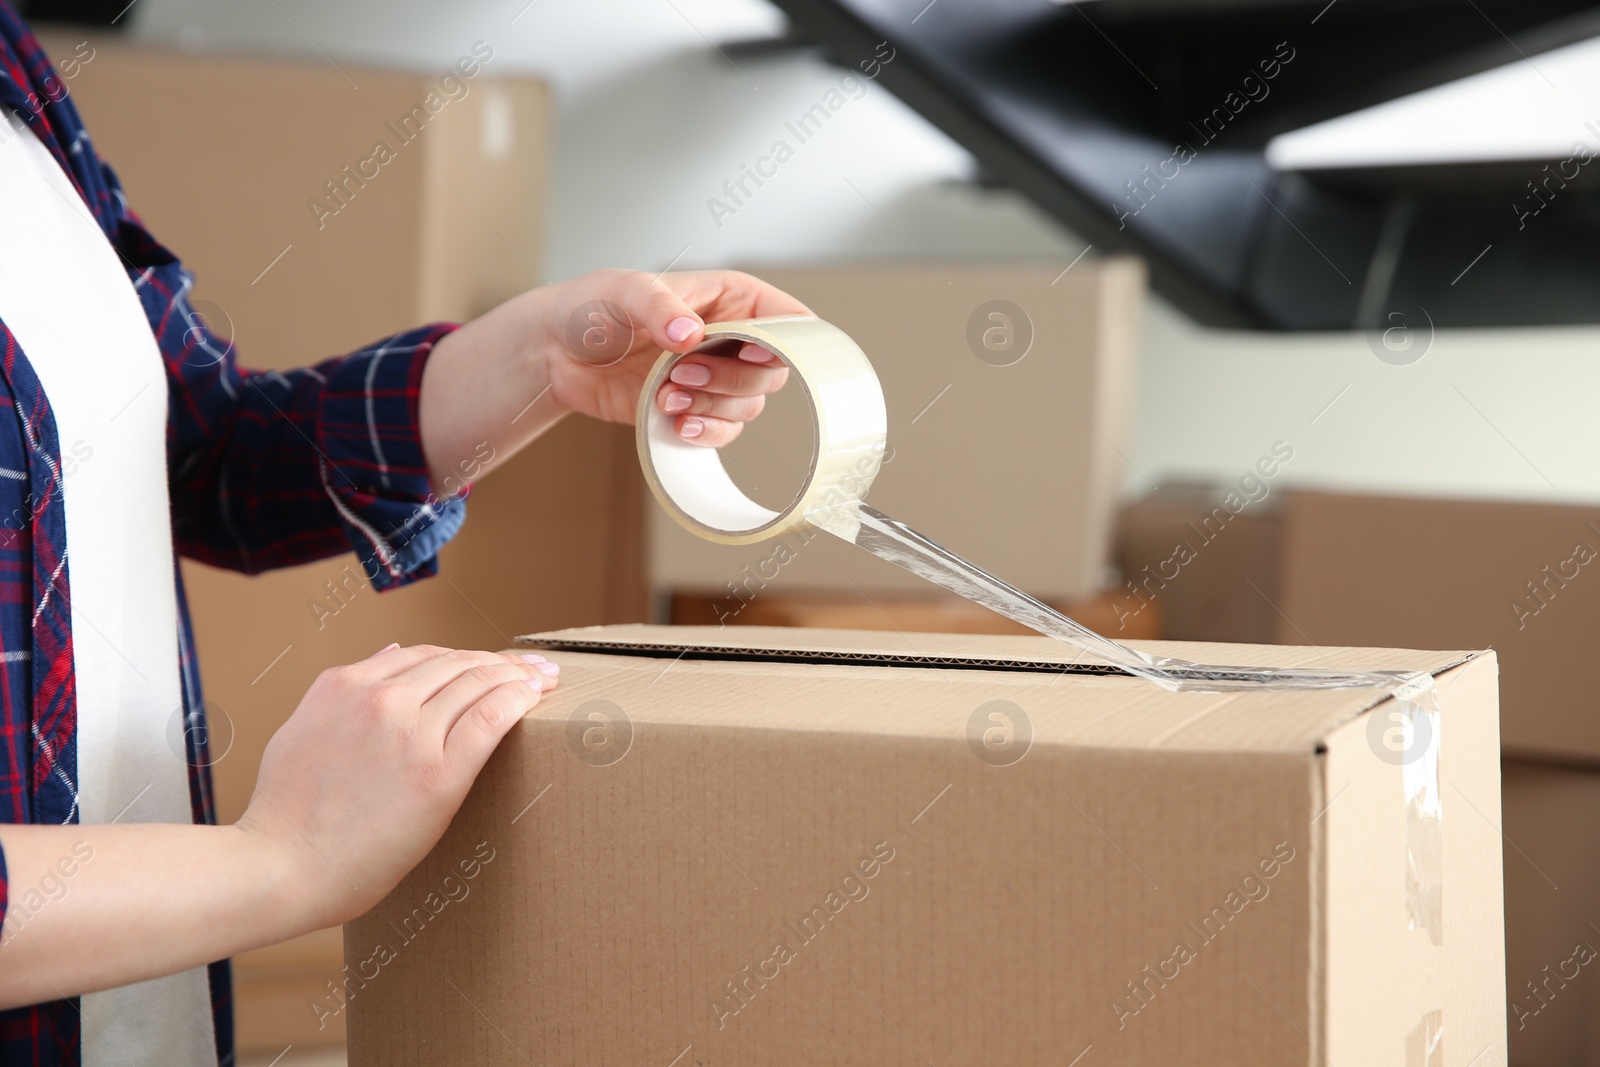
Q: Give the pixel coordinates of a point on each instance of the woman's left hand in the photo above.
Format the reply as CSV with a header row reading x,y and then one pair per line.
x,y
608,328
586,345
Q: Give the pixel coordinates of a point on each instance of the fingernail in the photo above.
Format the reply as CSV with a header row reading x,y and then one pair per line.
x,y
755,354
692,428
677,401
680,328
548,669
537,684
529,657
691,374
385,648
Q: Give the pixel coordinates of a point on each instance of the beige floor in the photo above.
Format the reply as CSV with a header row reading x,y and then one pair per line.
x,y
293,1057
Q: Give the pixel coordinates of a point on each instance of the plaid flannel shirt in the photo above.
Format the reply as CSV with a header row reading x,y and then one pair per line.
x,y
265,470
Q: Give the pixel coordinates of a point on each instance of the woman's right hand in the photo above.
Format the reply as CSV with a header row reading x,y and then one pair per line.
x,y
354,790
367,773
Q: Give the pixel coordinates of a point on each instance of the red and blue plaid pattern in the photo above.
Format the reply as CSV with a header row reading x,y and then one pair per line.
x,y
265,469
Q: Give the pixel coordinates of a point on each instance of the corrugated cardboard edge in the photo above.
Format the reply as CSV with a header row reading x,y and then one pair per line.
x,y
873,648
966,649
869,656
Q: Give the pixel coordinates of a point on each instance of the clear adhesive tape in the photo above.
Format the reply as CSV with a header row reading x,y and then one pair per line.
x,y
850,424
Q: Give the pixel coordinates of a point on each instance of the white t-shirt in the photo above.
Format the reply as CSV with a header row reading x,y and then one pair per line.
x,y
67,298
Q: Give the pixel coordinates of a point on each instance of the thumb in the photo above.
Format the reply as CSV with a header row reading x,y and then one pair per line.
x,y
671,322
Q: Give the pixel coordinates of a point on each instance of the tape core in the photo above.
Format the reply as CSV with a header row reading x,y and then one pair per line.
x,y
849,426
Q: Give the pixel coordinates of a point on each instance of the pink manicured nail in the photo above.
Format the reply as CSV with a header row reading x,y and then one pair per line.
x,y
680,328
755,354
692,428
529,657
693,374
548,669
386,648
536,683
677,402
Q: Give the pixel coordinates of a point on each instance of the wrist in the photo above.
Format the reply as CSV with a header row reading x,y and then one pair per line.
x,y
544,349
292,897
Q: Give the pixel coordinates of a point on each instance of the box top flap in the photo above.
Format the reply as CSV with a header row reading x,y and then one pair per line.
x,y
857,682
995,651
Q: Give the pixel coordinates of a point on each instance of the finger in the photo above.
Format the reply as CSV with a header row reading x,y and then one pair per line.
x,y
756,354
732,294
440,713
429,677
708,431
473,738
650,303
676,401
394,660
730,377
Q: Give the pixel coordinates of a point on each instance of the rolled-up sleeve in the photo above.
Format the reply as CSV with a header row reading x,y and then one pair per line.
x,y
375,471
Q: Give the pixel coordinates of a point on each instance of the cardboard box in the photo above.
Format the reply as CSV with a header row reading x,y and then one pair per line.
x,y
1205,572
227,159
1317,568
1552,821
1009,394
1511,576
804,846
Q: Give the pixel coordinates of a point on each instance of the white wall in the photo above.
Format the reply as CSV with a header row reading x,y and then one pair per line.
x,y
653,120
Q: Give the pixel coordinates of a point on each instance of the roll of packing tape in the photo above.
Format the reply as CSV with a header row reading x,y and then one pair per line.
x,y
849,423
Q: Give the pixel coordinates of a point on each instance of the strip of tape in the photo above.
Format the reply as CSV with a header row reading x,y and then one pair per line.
x,y
1425,1044
850,427
1419,779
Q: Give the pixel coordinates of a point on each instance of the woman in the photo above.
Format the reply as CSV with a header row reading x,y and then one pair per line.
x,y
128,434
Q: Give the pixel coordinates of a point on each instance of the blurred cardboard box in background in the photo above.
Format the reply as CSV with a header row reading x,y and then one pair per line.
x,y
1009,388
1312,568
1459,574
264,176
935,611
1204,580
1552,830
782,846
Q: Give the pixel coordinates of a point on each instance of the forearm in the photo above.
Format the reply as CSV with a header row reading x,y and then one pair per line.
x,y
487,392
93,907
